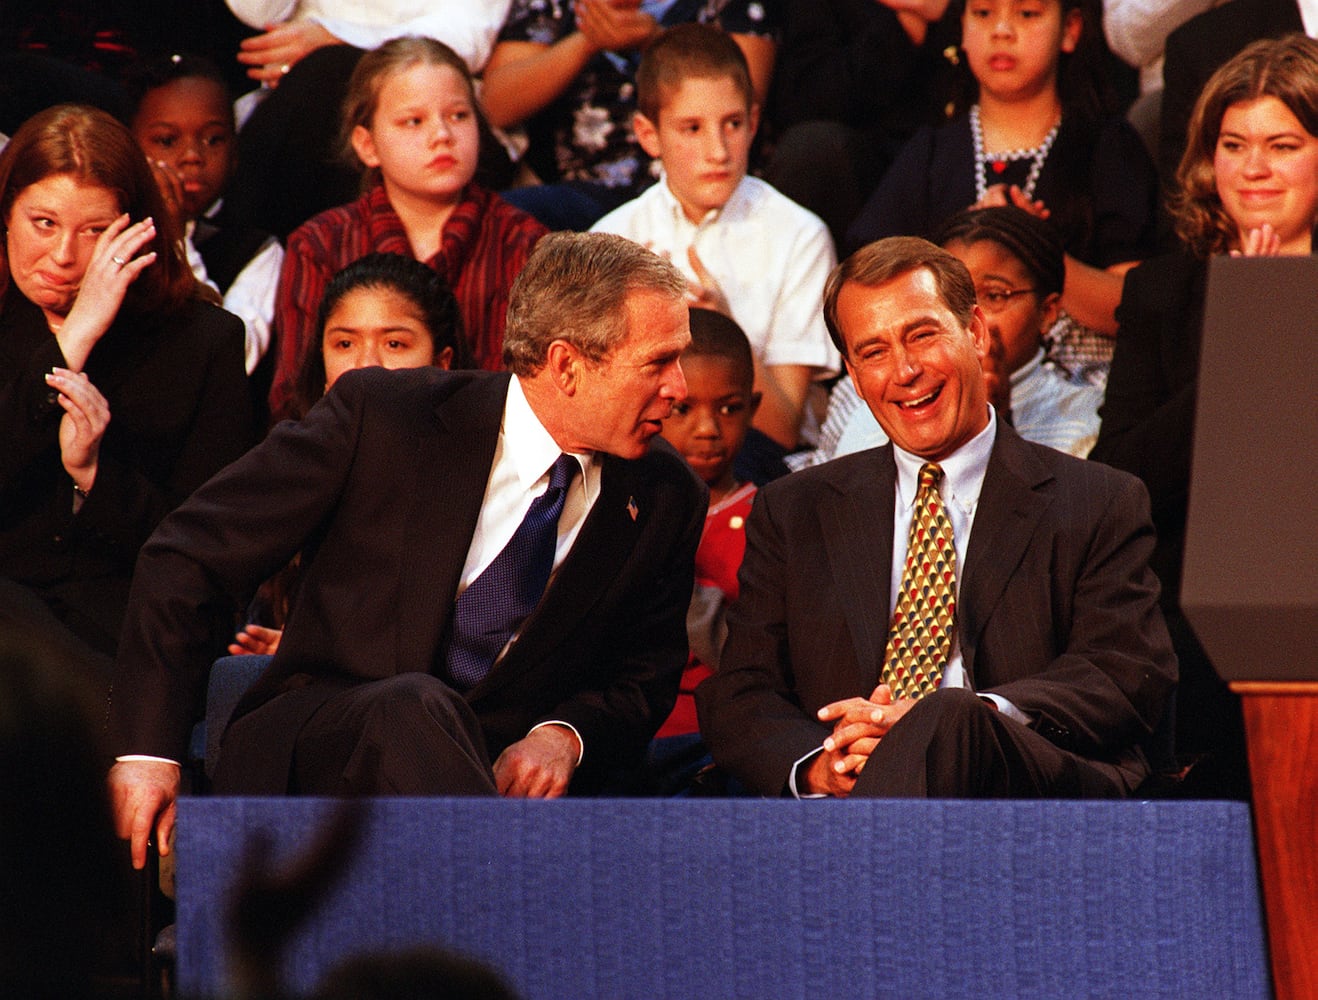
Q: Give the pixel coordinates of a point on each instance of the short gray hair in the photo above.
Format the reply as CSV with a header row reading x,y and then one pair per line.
x,y
573,288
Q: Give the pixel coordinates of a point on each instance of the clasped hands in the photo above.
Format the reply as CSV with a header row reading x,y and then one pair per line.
x,y
858,726
271,54
915,16
1263,241
614,25
1011,196
116,261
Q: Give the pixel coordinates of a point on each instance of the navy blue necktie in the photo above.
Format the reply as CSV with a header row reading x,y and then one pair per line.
x,y
496,603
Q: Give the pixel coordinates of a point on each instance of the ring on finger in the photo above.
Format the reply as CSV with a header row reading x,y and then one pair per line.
x,y
284,68
119,260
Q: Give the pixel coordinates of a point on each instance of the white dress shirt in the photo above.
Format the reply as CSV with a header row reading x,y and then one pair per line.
x,y
523,459
519,473
770,257
251,297
1309,16
469,27
1137,30
963,477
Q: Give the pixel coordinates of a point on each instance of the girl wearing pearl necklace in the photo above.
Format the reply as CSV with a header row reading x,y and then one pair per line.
x,y
1040,135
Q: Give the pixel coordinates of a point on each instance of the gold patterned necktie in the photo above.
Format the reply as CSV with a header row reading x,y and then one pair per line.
x,y
920,636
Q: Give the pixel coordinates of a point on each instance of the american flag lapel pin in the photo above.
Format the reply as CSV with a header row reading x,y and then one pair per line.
x,y
632,509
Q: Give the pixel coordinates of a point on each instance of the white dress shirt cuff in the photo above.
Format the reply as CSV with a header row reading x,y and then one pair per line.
x,y
1008,709
1002,705
134,758
791,778
566,725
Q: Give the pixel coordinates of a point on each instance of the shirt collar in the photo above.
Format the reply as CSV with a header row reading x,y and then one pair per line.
x,y
385,227
532,450
1027,369
461,232
679,215
963,470
457,240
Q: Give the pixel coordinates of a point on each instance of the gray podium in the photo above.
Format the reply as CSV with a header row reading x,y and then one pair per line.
x,y
1250,586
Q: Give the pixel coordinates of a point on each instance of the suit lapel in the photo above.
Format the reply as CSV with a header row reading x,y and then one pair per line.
x,y
857,531
453,455
1010,507
605,542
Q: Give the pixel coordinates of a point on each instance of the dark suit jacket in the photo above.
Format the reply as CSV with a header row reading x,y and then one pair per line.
x,y
1057,611
1197,48
851,61
380,487
179,412
1148,409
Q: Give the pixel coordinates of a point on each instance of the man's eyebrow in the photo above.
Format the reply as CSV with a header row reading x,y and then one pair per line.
x,y
910,326
926,319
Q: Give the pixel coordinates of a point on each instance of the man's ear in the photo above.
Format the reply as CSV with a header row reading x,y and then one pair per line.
x,y
563,366
753,406
754,118
1049,309
647,134
855,382
979,333
363,144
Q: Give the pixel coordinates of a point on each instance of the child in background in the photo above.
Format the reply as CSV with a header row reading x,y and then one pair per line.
x,y
383,310
1017,262
747,250
302,56
183,121
707,429
1039,136
567,72
411,120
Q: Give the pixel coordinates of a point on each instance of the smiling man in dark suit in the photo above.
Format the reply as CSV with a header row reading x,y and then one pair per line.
x,y
401,489
1009,644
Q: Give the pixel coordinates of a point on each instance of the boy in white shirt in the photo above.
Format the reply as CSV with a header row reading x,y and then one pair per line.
x,y
747,250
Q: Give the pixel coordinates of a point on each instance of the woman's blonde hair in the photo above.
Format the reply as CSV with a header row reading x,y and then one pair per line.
x,y
1285,68
394,56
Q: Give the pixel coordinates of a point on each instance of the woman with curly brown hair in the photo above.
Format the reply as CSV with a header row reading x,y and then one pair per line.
x,y
1247,185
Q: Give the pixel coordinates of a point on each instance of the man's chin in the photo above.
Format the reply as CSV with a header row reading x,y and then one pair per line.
x,y
633,447
923,442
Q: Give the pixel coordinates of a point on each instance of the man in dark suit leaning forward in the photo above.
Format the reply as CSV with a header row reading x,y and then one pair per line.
x,y
1018,652
401,489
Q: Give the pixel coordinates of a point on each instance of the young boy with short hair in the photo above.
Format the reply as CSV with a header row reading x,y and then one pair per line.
x,y
707,429
183,120
747,250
